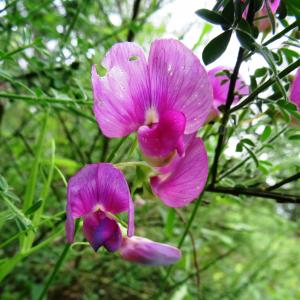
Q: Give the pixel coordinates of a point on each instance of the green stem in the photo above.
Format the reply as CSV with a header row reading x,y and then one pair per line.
x,y
114,151
57,266
44,100
181,241
265,85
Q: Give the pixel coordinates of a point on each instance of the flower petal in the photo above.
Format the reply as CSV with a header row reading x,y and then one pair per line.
x,y
147,252
265,23
123,95
102,231
184,179
98,187
295,90
220,84
179,82
160,139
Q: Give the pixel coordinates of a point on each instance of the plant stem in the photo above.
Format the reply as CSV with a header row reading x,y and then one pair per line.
x,y
279,197
267,84
284,181
57,266
44,100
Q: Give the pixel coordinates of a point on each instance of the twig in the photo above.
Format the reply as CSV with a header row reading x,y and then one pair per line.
x,y
279,197
265,85
283,182
229,101
135,12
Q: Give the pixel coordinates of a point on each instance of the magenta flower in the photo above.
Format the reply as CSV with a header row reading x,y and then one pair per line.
x,y
263,22
97,193
220,84
147,252
163,99
295,90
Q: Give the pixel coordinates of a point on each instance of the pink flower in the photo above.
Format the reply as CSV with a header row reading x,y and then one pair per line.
x,y
263,23
163,99
295,90
97,193
220,85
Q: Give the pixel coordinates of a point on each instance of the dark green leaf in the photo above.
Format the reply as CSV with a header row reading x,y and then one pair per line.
x,y
246,40
253,156
33,208
295,137
215,48
212,17
239,147
228,11
248,141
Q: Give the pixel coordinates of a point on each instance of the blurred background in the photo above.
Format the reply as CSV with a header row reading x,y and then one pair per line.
x,y
237,248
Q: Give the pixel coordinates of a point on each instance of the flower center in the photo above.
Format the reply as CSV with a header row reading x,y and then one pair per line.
x,y
151,116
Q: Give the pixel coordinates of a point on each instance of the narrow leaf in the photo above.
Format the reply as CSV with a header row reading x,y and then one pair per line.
x,y
212,17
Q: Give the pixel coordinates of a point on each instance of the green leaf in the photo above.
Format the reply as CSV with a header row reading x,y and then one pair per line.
x,y
260,72
212,17
228,11
266,133
253,156
246,40
239,147
215,48
295,137
33,208
248,141
3,184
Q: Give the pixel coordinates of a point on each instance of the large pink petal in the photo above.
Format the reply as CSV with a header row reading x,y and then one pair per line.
x,y
179,82
147,252
122,96
98,187
102,231
184,179
160,139
295,90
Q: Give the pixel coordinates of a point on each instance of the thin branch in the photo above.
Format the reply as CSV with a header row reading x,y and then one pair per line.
x,y
229,101
283,182
280,34
135,12
279,197
45,100
266,85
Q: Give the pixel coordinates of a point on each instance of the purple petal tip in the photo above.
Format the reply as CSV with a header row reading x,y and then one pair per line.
x,y
147,252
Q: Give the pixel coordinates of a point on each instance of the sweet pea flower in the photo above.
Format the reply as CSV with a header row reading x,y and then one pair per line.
x,y
220,84
295,90
163,99
97,193
261,17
